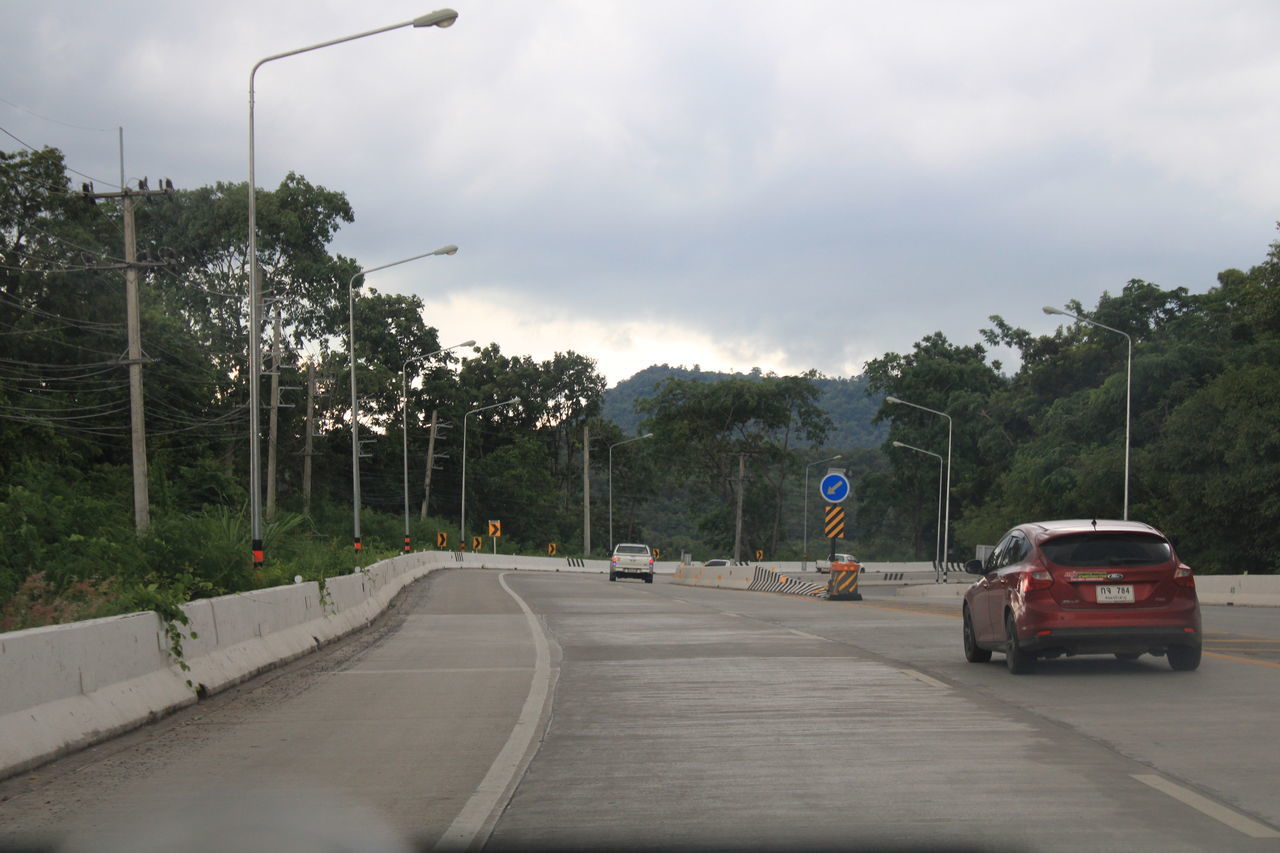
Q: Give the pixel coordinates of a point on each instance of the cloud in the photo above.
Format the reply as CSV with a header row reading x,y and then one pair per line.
x,y
781,187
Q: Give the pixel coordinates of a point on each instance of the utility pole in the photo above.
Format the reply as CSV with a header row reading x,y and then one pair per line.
x,y
431,456
137,419
737,534
306,447
133,319
270,509
586,490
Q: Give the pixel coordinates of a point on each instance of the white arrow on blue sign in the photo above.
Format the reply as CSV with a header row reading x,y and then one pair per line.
x,y
834,487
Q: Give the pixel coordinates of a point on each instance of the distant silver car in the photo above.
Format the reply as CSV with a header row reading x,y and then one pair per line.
x,y
719,561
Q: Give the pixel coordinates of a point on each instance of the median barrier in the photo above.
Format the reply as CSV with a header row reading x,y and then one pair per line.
x,y
1245,590
67,686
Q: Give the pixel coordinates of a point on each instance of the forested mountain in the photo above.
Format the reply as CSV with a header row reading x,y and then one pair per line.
x,y
845,401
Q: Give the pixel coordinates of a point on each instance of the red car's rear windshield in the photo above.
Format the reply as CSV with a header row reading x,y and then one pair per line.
x,y
1107,549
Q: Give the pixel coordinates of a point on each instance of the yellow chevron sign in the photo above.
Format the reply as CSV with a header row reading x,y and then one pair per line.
x,y
833,521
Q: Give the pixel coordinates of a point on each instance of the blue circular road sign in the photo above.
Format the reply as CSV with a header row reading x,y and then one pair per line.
x,y
834,487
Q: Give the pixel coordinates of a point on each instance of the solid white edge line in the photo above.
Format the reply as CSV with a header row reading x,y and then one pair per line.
x,y
471,828
1206,806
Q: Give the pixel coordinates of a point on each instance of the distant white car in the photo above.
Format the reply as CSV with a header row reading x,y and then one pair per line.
x,y
824,565
631,560
719,561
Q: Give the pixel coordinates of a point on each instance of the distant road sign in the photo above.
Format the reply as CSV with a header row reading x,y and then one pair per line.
x,y
442,539
834,487
495,528
759,555
477,542
551,549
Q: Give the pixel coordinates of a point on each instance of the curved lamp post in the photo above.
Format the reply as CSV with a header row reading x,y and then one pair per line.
x,y
441,18
611,447
355,404
937,537
463,525
1128,390
946,517
404,426
804,557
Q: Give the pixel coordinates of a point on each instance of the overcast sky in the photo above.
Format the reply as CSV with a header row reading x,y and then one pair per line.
x,y
728,183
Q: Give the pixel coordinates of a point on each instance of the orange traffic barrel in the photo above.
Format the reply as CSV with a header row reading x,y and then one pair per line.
x,y
842,584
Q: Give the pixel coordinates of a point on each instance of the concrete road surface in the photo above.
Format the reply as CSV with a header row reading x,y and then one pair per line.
x,y
684,717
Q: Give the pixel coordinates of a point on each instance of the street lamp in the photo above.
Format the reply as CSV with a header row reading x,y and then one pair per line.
x,y
946,517
463,525
441,18
937,537
804,556
1128,390
611,447
355,405
404,424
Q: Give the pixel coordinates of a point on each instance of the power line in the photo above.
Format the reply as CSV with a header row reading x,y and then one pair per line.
x,y
33,149
32,112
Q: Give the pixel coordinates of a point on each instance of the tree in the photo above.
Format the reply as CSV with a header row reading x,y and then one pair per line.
x,y
960,382
702,428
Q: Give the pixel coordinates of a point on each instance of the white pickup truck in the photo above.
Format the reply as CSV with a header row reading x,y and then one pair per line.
x,y
631,560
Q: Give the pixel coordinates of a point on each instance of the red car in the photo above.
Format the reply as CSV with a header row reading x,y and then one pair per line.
x,y
1054,588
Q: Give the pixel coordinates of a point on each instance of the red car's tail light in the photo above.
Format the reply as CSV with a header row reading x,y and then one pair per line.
x,y
1038,579
1182,577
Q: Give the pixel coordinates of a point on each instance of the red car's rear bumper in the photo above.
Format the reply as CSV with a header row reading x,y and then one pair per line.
x,y
1047,626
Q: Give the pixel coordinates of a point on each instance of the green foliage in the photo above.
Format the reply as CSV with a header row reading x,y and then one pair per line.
x,y
704,429
1048,441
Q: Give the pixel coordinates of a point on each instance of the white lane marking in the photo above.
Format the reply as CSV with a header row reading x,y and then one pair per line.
x,y
806,636
443,669
476,820
926,679
1203,804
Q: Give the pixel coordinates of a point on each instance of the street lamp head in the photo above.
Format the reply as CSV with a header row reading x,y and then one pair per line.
x,y
892,400
446,250
898,444
467,344
1049,309
442,18
647,435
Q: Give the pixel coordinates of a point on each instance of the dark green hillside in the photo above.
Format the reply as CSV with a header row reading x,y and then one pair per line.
x,y
845,401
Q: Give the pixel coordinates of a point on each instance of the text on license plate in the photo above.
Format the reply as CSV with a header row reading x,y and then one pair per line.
x,y
1113,594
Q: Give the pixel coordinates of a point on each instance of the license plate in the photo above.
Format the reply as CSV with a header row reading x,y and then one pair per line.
x,y
1115,594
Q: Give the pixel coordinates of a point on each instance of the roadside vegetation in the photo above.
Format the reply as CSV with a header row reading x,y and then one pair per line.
x,y
1042,439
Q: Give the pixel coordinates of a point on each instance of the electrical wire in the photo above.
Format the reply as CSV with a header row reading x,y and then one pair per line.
x,y
29,147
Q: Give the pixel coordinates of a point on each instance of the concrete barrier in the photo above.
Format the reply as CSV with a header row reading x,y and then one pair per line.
x,y
1241,590
66,686
1255,590
722,577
